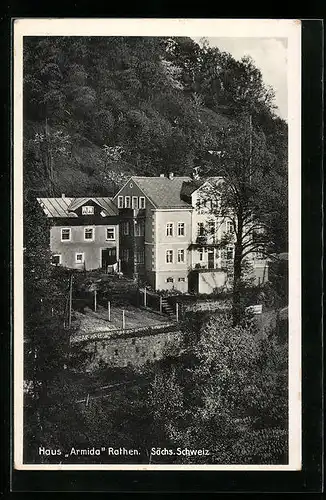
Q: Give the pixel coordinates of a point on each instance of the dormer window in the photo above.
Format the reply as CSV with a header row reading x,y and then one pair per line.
x,y
201,204
87,210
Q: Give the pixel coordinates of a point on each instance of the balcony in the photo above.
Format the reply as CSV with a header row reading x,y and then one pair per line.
x,y
205,241
205,267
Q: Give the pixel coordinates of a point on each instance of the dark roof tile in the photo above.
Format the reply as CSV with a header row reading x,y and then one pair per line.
x,y
162,191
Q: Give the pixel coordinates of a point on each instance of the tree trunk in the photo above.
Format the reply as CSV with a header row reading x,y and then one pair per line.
x,y
237,272
236,297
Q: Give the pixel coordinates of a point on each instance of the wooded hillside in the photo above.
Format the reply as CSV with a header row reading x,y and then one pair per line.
x,y
97,109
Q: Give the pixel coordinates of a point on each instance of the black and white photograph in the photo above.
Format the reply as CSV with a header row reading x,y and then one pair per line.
x,y
157,244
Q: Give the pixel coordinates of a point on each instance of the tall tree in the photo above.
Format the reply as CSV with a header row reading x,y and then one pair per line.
x,y
45,290
244,163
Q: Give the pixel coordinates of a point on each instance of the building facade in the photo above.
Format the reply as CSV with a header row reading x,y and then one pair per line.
x,y
159,252
169,236
84,232
160,230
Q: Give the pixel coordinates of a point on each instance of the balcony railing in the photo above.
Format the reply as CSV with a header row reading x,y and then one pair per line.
x,y
209,266
205,241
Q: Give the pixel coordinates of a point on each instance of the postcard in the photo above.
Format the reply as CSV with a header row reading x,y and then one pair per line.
x,y
157,266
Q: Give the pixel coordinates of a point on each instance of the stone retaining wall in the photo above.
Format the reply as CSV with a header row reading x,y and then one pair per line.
x,y
125,351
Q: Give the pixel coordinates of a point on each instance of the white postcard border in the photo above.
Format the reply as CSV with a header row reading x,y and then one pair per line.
x,y
281,28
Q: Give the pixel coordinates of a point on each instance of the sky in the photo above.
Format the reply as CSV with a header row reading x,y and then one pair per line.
x,y
269,55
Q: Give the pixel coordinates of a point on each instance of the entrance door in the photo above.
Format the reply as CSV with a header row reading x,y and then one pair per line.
x,y
109,257
210,256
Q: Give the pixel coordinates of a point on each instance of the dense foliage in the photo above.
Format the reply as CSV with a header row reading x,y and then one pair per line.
x,y
230,399
45,340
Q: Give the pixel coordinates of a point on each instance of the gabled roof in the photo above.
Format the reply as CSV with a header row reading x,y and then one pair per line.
x,y
162,191
212,181
106,203
64,206
188,187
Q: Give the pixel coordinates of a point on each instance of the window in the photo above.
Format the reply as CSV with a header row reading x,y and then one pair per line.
x,y
181,255
169,256
79,258
110,233
211,227
228,253
200,228
139,257
120,201
170,280
216,200
112,252
56,260
201,254
181,280
125,228
87,210
181,228
125,254
139,228
229,227
200,203
169,229
127,201
89,233
142,202
65,234
135,202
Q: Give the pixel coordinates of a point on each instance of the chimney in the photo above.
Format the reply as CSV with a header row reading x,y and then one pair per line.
x,y
161,175
63,195
171,175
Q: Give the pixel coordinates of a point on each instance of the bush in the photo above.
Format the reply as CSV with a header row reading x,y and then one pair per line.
x,y
233,396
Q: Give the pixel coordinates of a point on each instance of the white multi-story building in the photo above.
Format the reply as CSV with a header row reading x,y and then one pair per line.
x,y
169,235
